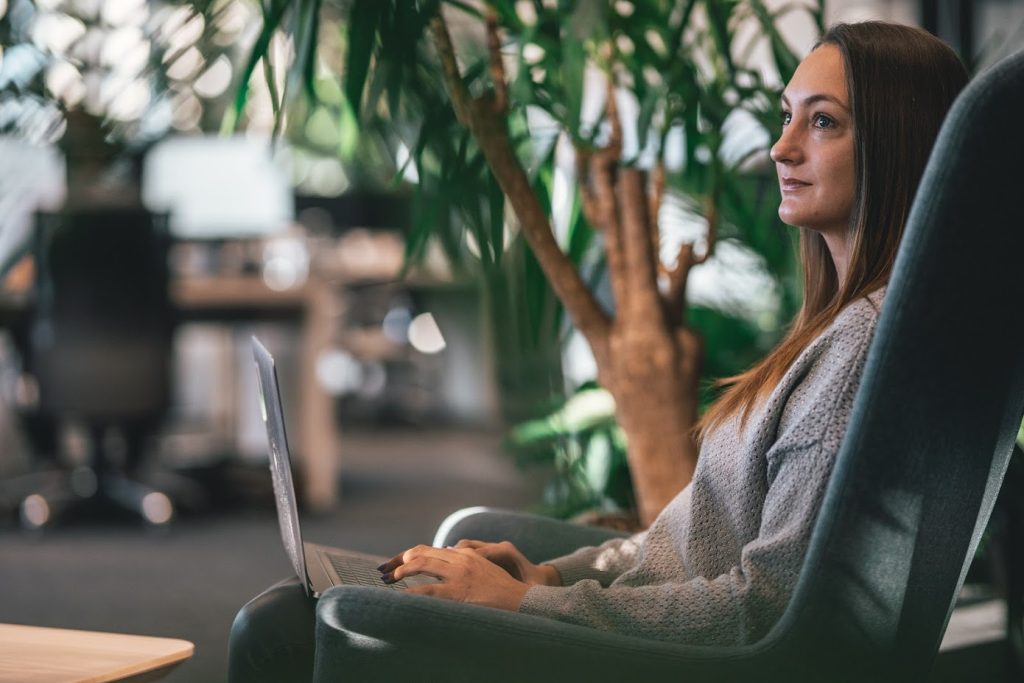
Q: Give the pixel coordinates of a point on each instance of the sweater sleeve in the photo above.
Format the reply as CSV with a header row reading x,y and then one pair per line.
x,y
603,563
735,607
741,604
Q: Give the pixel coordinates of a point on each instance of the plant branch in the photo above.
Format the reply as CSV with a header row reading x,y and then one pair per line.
x,y
497,65
590,208
490,129
614,148
657,194
623,196
675,296
637,248
712,214
604,174
450,68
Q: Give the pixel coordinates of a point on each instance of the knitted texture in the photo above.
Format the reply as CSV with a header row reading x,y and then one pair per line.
x,y
718,565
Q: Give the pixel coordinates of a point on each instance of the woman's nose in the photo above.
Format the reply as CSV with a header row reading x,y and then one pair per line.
x,y
785,150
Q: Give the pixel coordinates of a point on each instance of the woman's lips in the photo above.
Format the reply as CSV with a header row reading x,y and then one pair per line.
x,y
791,184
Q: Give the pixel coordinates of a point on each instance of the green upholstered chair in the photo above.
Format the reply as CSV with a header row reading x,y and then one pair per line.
x,y
924,456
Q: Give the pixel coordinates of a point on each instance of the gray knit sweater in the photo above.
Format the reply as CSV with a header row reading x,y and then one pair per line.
x,y
720,562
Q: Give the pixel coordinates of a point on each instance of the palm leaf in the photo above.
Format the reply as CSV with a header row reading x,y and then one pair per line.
x,y
785,60
363,25
272,19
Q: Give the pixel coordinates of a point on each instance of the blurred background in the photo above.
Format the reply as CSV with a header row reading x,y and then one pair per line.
x,y
169,188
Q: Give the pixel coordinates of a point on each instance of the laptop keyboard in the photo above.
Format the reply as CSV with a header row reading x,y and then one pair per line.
x,y
353,572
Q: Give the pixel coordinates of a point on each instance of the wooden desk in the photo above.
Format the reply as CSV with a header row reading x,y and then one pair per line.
x,y
315,305
224,298
31,654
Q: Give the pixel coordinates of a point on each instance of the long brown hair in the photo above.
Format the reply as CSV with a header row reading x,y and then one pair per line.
x,y
901,82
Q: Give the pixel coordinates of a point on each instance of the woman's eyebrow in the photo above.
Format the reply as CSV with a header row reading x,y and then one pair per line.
x,y
819,97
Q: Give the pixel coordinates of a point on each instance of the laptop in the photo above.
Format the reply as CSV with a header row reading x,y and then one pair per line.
x,y
318,567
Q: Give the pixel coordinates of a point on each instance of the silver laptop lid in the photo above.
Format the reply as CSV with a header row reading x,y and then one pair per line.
x,y
280,460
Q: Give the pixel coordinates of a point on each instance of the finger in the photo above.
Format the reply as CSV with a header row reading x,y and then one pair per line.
x,y
403,557
389,565
489,550
443,554
430,566
492,553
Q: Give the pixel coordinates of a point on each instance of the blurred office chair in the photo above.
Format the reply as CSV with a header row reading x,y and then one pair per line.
x,y
927,447
100,351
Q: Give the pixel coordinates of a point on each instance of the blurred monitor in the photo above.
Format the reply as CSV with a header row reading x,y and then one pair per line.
x,y
32,179
217,188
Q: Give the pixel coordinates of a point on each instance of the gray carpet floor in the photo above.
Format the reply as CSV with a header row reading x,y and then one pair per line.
x,y
189,583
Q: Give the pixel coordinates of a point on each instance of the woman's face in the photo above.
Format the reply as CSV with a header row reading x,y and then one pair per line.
x,y
814,155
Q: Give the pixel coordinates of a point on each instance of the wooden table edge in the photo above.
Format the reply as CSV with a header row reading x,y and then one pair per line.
x,y
176,651
131,670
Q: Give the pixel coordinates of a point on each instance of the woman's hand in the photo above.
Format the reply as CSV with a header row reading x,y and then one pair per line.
x,y
509,558
465,576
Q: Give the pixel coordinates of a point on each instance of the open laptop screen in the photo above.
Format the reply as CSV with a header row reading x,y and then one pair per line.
x,y
280,461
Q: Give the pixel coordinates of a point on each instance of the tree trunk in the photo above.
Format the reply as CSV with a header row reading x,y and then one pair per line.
x,y
654,380
646,356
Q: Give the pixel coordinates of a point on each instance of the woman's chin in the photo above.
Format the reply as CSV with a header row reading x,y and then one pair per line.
x,y
789,216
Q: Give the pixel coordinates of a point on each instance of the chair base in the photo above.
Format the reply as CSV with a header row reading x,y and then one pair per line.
x,y
81,492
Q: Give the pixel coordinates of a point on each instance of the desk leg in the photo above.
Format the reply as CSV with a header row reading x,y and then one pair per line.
x,y
319,432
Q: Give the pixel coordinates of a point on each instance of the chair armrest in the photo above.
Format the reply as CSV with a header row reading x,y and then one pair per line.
x,y
539,538
372,634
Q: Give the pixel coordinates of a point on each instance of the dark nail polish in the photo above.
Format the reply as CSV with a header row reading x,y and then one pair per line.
x,y
388,578
381,567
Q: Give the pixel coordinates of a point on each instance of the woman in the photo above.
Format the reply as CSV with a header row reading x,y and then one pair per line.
x,y
858,121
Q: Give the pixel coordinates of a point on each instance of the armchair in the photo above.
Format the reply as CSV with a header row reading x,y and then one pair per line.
x,y
927,446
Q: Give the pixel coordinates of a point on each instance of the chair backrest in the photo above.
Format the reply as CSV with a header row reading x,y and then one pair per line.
x,y
936,415
102,318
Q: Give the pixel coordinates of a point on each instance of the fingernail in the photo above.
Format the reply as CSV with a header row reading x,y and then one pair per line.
x,y
388,578
381,567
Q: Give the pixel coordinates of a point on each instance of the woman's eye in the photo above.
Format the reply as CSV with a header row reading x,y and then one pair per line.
x,y
785,117
822,121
